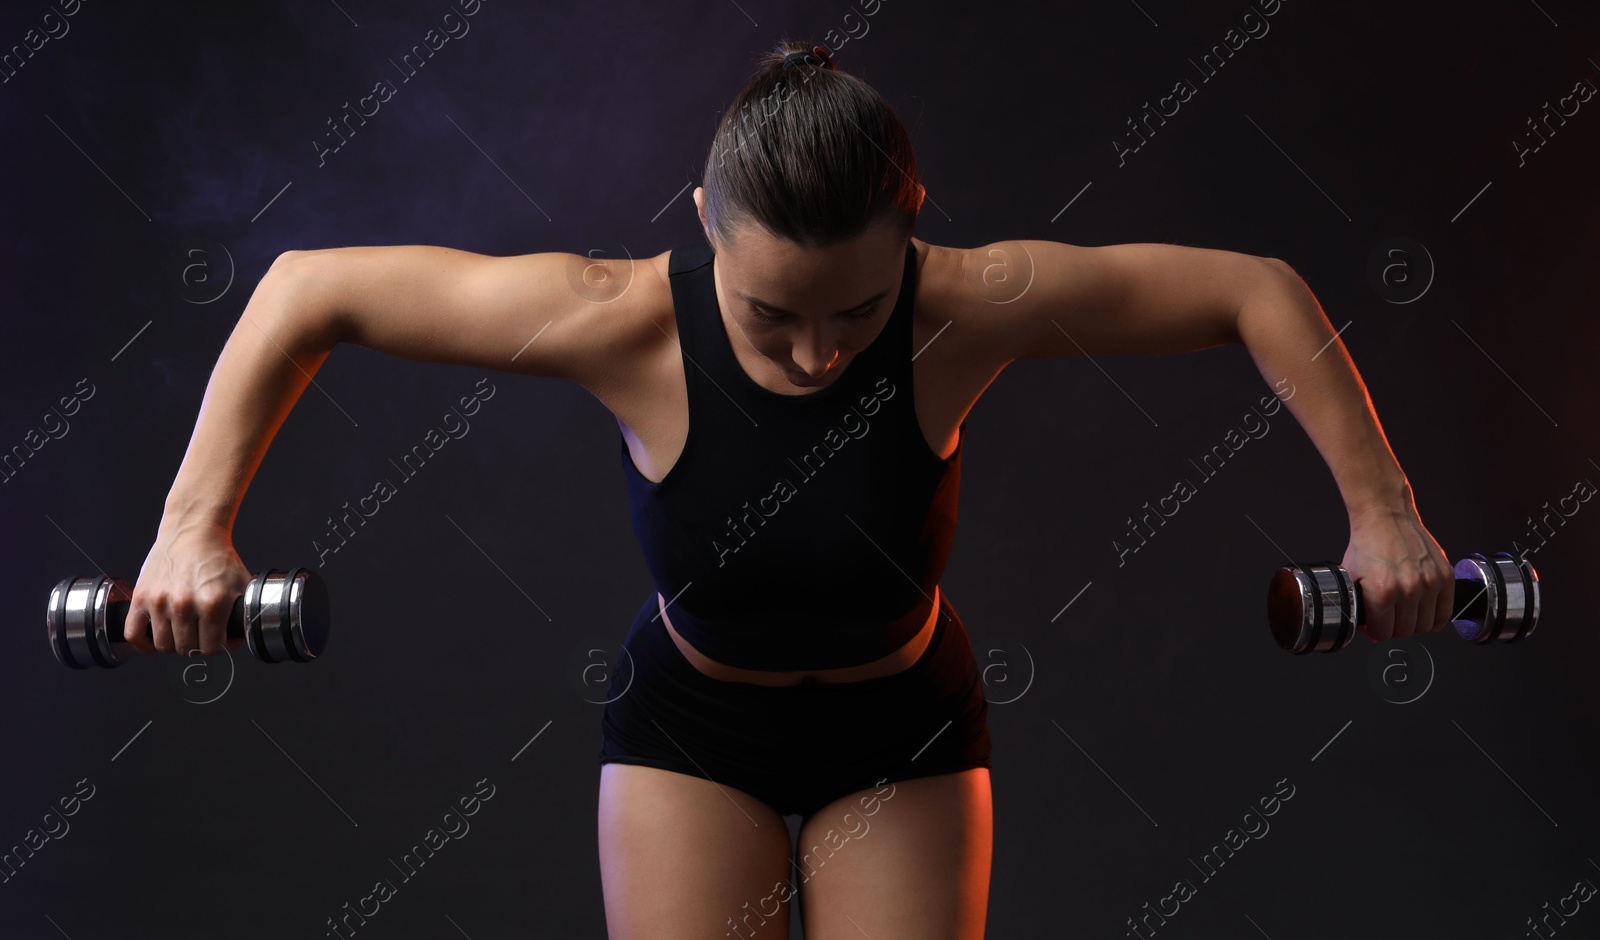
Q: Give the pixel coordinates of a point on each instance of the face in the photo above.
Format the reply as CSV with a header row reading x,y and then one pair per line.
x,y
807,311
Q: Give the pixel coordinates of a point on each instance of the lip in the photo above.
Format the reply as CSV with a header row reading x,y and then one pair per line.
x,y
801,380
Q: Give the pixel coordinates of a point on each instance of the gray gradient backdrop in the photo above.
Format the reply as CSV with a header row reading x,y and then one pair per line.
x,y
1141,710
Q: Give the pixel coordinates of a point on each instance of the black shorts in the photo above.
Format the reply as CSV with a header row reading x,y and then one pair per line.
x,y
796,748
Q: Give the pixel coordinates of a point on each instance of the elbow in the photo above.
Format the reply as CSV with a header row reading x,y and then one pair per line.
x,y
299,278
284,267
1265,288
1281,276
1282,268
284,271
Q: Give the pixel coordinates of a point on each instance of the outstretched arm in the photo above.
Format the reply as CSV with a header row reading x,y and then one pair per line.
x,y
1407,582
1042,299
1288,335
417,302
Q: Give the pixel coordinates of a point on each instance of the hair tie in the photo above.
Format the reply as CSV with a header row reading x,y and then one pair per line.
x,y
816,55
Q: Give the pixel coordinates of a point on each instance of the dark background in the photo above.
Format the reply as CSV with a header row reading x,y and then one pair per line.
x,y
141,134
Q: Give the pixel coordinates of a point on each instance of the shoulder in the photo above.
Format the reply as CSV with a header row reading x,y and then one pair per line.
x,y
632,312
964,279
955,282
938,273
944,297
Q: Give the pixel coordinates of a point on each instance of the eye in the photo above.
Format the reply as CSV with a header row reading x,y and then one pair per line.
x,y
870,312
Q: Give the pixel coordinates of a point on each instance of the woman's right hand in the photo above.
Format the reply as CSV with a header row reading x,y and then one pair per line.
x,y
186,591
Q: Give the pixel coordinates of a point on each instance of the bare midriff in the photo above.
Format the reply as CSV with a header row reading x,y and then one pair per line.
x,y
897,661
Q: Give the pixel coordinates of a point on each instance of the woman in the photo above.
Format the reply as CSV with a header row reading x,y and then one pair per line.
x,y
791,397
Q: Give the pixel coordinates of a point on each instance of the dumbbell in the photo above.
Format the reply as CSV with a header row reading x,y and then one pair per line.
x,y
282,616
1317,607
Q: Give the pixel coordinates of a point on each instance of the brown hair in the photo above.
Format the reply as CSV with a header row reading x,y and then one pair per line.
x,y
811,154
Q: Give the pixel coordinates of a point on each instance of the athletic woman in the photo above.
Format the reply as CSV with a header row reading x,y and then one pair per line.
x,y
791,397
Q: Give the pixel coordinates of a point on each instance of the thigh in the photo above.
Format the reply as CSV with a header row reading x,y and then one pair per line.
x,y
683,857
908,859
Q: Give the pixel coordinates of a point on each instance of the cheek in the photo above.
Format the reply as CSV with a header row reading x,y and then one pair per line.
x,y
772,346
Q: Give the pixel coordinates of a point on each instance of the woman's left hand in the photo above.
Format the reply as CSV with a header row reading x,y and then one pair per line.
x,y
1407,583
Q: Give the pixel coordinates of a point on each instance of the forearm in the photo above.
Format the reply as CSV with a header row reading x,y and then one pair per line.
x,y
278,344
1284,328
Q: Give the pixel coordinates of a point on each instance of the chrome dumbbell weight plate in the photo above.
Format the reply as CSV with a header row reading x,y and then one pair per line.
x,y
1509,610
80,636
286,616
1312,608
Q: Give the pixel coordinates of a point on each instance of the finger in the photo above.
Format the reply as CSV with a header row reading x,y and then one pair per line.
x,y
135,629
210,629
1447,592
160,629
233,644
213,627
1428,608
160,625
1379,615
185,625
1406,600
1405,614
1444,604
1431,607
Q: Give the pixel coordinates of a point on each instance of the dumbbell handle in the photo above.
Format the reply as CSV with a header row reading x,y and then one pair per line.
x,y
1471,602
117,618
283,617
1310,608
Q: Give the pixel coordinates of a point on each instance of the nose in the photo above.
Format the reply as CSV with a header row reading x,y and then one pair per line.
x,y
812,360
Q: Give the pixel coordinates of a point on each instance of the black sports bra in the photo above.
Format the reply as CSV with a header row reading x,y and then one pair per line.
x,y
795,531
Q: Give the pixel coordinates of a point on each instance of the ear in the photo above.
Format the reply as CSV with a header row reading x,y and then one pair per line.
x,y
700,207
